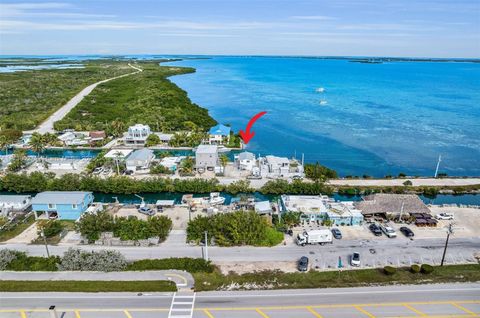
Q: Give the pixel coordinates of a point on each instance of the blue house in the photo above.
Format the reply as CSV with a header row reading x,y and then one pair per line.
x,y
62,205
219,134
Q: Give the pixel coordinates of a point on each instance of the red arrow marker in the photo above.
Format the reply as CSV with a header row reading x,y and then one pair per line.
x,y
247,135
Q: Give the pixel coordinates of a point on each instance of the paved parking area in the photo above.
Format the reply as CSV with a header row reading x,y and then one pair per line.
x,y
467,308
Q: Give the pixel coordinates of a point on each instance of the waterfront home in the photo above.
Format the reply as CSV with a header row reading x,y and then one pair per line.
x,y
321,208
164,138
263,208
14,203
72,138
97,135
219,135
62,205
137,134
140,159
275,167
206,157
171,163
246,161
119,154
391,205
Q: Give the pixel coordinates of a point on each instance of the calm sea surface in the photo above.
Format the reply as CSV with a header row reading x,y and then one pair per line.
x,y
373,119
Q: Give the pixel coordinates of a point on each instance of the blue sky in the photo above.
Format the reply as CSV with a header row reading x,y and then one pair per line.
x,y
429,28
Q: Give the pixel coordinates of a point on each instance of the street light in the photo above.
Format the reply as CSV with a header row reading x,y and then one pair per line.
x,y
449,231
42,234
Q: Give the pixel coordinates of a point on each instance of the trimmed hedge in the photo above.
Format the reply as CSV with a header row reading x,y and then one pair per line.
x,y
415,268
427,269
192,265
389,270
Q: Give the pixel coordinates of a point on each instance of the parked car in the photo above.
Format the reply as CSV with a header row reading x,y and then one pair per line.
x,y
128,172
389,231
146,210
336,233
297,177
355,259
406,231
444,216
303,264
375,229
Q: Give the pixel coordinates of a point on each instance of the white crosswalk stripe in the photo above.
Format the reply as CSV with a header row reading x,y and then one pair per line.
x,y
182,306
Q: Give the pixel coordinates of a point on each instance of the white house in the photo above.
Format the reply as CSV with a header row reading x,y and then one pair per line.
x,y
71,138
139,159
246,161
279,166
137,134
206,157
219,135
14,203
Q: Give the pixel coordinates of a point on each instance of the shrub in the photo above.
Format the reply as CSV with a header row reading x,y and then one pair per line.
x,y
389,270
233,229
91,225
407,183
426,269
34,263
103,260
192,265
6,257
49,227
415,268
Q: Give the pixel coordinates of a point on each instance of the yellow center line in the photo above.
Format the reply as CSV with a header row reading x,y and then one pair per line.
x,y
464,309
209,314
127,314
77,314
415,310
316,314
360,309
23,314
261,313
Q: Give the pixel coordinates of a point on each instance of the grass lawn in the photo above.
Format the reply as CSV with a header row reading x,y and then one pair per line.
x,y
15,230
87,286
352,278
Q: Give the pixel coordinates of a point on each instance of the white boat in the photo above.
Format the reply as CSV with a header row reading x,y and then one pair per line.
x,y
216,199
323,102
320,90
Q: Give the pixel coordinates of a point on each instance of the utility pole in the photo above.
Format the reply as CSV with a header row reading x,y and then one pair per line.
x,y
438,164
206,246
449,231
45,241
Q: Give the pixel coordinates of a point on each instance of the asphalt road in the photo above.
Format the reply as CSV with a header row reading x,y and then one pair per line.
x,y
446,300
374,252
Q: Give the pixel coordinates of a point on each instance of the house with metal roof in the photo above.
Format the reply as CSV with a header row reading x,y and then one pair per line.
x,y
14,203
140,159
246,161
62,205
206,157
219,134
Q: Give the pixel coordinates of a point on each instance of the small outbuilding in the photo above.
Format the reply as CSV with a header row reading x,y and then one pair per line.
x,y
14,203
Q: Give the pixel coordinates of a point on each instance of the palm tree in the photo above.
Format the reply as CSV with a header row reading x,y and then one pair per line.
x,y
117,155
224,160
37,143
118,127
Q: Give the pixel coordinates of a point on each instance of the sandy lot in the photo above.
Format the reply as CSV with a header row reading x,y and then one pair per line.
x,y
26,237
466,224
249,267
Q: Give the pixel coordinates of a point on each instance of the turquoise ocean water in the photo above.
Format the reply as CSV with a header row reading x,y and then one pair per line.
x,y
374,119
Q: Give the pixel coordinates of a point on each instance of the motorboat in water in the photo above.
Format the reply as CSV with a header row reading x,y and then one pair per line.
x,y
323,102
216,199
320,90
